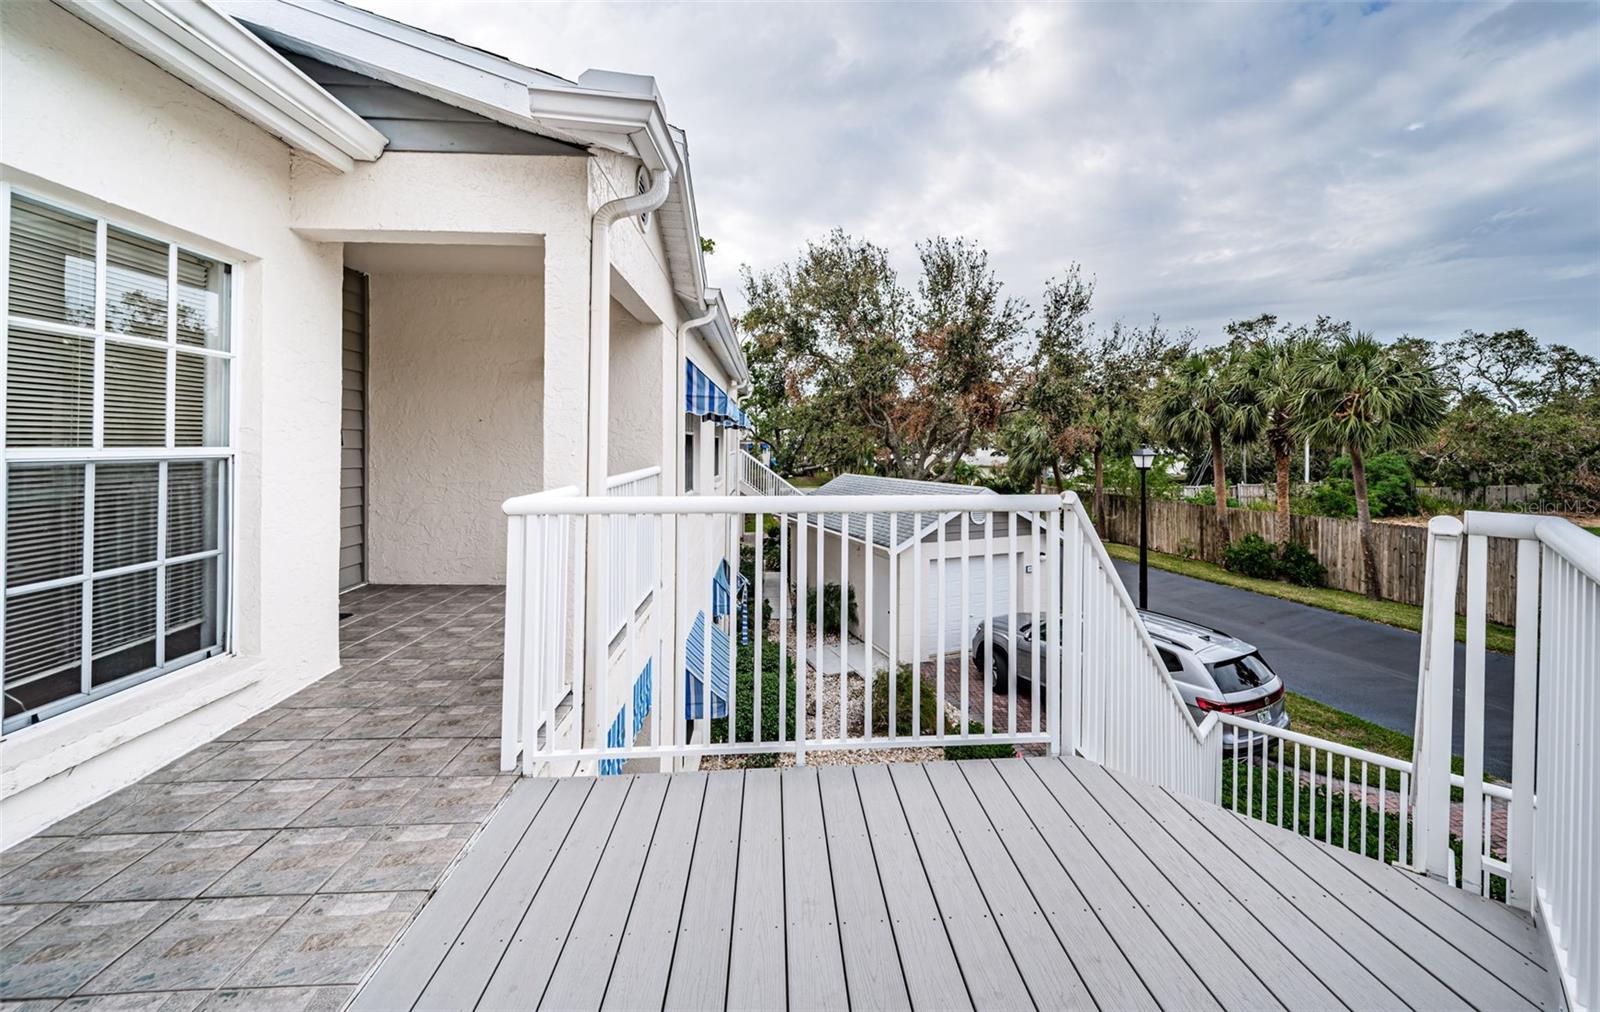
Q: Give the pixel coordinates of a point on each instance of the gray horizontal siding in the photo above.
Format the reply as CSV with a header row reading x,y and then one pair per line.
x,y
414,122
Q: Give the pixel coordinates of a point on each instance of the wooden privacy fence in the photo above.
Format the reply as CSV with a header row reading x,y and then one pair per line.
x,y
1187,529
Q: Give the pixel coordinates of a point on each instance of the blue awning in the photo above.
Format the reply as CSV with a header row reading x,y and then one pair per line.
x,y
702,396
721,662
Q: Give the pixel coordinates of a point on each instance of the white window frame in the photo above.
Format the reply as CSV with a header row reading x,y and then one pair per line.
x,y
226,551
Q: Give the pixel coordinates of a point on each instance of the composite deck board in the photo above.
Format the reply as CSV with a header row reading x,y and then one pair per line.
x,y
873,975
588,952
811,918
1300,971
470,958
699,972
1302,915
1511,928
1001,885
525,965
638,975
1124,894
932,976
412,963
1097,954
1454,949
758,901
992,976
1419,982
1048,968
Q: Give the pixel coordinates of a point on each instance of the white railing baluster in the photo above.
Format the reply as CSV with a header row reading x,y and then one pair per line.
x,y
802,526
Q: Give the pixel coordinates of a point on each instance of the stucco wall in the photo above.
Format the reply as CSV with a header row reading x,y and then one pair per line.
x,y
455,413
636,377
91,125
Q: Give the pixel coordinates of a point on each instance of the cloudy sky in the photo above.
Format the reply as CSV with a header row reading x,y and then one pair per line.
x,y
1417,168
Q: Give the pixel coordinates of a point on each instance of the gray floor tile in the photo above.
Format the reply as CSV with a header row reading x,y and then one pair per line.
x,y
199,947
21,853
146,1001
334,939
77,866
400,858
481,758
30,1005
56,958
329,759
248,760
378,721
162,808
295,861
269,804
455,799
469,720
376,801
279,999
413,757
87,818
19,919
244,729
178,768
306,723
182,867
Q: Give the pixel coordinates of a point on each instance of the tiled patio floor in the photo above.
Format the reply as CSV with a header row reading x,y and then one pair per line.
x,y
271,867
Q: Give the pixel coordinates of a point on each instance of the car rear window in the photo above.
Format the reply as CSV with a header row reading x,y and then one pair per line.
x,y
1240,674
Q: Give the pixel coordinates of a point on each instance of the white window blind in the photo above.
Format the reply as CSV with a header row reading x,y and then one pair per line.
x,y
118,464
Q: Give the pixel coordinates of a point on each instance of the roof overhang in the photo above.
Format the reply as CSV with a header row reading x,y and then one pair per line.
x,y
605,110
200,45
724,343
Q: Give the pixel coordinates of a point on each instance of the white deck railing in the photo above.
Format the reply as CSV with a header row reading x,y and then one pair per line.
x,y
635,558
756,478
1553,831
808,684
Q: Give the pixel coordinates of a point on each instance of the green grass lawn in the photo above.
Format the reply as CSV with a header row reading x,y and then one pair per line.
x,y
1497,637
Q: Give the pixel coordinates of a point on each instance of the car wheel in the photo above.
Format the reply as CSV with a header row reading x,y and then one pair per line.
x,y
999,669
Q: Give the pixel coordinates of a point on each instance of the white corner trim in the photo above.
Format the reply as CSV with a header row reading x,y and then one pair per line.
x,y
208,50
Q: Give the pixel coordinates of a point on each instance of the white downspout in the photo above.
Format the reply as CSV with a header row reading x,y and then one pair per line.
x,y
674,487
595,637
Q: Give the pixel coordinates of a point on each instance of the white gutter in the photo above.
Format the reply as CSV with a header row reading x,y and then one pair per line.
x,y
600,317
595,635
205,48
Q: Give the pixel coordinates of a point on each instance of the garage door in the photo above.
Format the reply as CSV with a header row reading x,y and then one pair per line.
x,y
958,624
353,436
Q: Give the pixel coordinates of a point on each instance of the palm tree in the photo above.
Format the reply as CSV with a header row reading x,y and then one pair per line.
x,y
1366,396
1193,408
1265,396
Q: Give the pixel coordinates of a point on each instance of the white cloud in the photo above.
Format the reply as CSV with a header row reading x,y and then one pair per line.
x,y
1204,162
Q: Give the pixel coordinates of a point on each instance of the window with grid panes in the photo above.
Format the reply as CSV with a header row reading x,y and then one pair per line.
x,y
118,468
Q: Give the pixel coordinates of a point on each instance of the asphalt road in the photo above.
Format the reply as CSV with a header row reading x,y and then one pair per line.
x,y
1366,668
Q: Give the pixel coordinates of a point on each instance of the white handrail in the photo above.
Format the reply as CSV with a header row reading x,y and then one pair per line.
x,y
726,504
1552,840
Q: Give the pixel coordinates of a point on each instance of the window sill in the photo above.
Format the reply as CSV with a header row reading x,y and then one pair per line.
x,y
34,754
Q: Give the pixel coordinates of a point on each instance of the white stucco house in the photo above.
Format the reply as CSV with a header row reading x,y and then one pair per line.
x,y
961,568
295,296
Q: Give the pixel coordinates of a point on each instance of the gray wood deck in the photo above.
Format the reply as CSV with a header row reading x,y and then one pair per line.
x,y
1024,883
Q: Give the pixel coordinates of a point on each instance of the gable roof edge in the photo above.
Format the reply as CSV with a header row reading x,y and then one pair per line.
x,y
208,50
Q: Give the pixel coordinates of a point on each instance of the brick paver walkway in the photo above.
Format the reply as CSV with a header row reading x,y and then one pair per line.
x,y
272,866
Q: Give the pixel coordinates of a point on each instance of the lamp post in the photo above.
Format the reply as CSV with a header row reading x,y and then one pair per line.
x,y
1143,457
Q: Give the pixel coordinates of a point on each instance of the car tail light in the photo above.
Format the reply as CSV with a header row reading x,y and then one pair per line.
x,y
1248,706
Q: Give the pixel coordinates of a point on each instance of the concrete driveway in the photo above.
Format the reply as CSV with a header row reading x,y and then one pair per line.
x,y
1366,668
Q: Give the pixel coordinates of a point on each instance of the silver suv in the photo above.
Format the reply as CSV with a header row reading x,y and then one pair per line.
x,y
1213,671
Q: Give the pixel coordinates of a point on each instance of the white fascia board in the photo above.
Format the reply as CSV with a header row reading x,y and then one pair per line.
x,y
203,47
723,343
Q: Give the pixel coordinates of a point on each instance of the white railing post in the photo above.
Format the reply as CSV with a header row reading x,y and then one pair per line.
x,y
512,686
1069,705
1054,621
1435,690
1524,711
1472,834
